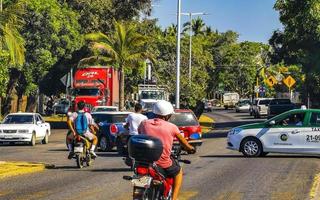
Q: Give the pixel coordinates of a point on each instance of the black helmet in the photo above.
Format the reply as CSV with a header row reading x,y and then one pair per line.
x,y
81,105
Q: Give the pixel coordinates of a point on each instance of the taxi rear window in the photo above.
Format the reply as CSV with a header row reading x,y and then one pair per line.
x,y
315,119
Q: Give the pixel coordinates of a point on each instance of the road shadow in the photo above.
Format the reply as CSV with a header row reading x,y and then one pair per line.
x,y
58,125
108,154
127,169
219,134
229,125
64,167
267,156
64,149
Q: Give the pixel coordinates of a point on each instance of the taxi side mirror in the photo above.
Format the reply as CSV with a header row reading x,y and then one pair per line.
x,y
271,123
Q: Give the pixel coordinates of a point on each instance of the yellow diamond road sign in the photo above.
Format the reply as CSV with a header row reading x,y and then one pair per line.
x,y
289,81
271,80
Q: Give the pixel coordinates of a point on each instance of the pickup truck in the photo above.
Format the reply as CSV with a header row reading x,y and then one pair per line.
x,y
260,107
278,106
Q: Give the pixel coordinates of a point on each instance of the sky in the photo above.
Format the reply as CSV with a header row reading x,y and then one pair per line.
x,y
254,20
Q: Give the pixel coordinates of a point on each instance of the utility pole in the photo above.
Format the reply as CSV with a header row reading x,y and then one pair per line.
x,y
190,14
178,55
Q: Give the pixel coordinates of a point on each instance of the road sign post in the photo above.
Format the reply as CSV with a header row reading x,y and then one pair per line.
x,y
289,82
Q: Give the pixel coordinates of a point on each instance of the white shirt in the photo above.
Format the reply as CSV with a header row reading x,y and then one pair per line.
x,y
74,116
134,120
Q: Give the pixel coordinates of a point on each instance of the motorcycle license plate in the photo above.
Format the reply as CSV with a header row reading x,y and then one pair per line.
x,y
78,149
144,181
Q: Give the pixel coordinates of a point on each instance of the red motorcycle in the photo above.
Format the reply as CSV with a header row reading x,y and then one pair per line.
x,y
149,180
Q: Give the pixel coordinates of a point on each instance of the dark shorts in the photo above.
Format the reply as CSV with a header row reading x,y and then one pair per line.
x,y
173,170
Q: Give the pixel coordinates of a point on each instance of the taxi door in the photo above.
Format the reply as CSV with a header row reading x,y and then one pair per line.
x,y
312,137
285,135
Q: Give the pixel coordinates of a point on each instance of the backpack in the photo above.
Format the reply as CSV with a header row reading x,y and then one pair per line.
x,y
81,123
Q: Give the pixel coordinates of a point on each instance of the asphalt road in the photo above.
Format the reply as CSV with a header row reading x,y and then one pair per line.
x,y
215,173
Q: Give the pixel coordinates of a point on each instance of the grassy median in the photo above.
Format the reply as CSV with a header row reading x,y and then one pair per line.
x,y
9,169
55,118
206,123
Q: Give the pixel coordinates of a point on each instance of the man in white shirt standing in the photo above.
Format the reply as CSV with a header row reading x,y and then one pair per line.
x,y
134,120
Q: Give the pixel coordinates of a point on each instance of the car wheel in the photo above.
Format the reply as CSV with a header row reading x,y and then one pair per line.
x,y
104,144
46,138
237,111
251,147
33,139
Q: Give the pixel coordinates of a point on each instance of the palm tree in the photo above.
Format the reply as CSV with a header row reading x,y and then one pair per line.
x,y
198,26
122,49
171,30
11,40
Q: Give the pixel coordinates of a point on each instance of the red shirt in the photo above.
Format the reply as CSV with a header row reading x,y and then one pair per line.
x,y
163,130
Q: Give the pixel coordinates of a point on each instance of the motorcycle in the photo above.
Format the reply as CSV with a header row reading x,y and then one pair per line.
x,y
149,180
82,152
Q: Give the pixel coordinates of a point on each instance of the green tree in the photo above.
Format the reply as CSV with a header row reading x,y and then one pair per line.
x,y
51,32
10,39
124,49
299,42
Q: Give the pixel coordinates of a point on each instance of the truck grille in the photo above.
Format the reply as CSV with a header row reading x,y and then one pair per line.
x,y
9,131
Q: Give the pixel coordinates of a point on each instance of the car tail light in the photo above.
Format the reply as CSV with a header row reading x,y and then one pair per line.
x,y
142,170
113,129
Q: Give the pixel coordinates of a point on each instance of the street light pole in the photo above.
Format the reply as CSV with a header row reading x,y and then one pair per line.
x,y
178,55
190,14
190,46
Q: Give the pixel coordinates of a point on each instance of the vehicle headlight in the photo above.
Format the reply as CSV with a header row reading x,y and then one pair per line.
x,y
235,131
23,131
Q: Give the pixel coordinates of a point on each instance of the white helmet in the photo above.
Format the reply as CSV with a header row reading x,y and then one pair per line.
x,y
163,108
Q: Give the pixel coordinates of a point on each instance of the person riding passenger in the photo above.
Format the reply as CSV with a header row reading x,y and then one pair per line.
x,y
84,120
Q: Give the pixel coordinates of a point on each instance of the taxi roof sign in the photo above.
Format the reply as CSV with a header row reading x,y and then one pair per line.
x,y
289,81
271,81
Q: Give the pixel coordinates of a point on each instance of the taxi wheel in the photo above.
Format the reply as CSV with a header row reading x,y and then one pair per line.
x,y
251,147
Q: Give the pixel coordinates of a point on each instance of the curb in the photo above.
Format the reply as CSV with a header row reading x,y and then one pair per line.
x,y
15,168
315,188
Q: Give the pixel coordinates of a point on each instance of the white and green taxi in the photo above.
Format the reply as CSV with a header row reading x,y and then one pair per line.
x,y
295,131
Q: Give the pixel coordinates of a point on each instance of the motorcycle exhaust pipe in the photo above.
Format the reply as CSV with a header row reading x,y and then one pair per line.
x,y
127,178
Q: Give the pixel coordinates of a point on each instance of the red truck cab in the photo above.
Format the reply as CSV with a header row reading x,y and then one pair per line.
x,y
96,86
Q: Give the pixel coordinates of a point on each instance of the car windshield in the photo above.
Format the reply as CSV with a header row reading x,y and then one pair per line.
x,y
184,119
148,106
104,109
280,101
110,118
87,92
152,95
245,102
18,119
264,102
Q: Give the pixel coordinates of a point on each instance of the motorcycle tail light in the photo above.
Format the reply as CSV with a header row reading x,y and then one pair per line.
x,y
142,170
78,139
113,129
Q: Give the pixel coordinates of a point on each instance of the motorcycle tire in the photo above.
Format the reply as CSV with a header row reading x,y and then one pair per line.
x,y
79,160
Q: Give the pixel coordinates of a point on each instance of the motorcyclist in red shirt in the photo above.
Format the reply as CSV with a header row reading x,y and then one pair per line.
x,y
160,128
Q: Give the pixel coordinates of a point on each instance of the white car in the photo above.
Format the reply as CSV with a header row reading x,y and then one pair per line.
x,y
105,109
243,105
24,127
295,131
